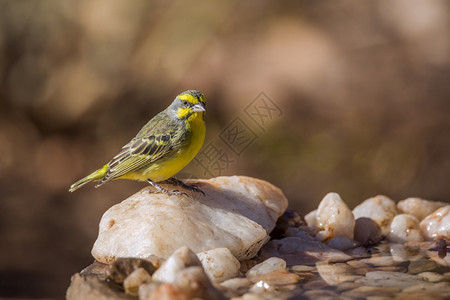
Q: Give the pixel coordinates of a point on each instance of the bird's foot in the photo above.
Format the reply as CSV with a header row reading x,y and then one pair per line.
x,y
189,187
161,190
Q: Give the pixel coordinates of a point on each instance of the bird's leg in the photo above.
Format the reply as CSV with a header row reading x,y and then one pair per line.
x,y
160,189
189,187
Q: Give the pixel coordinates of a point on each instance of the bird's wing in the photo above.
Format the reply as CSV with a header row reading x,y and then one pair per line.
x,y
155,140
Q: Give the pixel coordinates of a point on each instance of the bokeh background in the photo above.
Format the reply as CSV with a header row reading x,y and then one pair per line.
x,y
363,87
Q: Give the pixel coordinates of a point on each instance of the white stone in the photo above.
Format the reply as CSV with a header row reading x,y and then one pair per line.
x,y
380,208
237,213
267,266
179,260
219,264
310,218
418,207
437,224
405,228
334,218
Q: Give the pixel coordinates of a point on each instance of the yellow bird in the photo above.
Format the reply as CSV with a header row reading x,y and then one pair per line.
x,y
164,146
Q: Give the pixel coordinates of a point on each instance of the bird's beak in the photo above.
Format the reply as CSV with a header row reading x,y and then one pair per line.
x,y
199,107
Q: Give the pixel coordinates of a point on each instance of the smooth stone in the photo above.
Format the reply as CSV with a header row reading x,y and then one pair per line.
x,y
366,291
237,284
342,243
219,264
380,261
367,232
237,213
419,208
279,277
334,218
437,224
134,280
389,279
179,260
334,274
296,251
431,276
380,208
405,228
267,266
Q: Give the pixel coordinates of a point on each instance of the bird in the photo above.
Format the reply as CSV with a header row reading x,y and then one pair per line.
x,y
162,148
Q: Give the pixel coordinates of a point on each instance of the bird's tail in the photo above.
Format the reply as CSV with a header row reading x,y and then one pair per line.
x,y
94,176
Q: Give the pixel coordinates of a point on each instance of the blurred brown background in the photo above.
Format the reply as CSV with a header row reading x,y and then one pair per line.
x,y
363,87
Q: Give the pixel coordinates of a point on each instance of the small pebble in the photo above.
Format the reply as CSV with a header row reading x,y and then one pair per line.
x,y
219,264
302,268
418,207
267,266
347,285
367,232
334,218
280,277
380,208
404,228
437,224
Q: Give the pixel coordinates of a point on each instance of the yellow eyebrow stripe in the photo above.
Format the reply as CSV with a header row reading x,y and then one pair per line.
x,y
189,98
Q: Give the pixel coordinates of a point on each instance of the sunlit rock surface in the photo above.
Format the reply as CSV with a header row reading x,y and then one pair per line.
x,y
437,224
237,213
334,218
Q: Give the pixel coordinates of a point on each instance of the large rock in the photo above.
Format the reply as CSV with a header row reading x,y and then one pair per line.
x,y
237,213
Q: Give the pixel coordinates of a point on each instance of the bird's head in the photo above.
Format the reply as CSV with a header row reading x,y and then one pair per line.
x,y
188,105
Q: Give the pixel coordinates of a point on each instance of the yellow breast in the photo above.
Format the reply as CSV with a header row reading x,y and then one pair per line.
x,y
169,166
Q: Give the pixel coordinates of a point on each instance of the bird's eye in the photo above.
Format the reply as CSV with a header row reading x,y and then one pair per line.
x,y
185,103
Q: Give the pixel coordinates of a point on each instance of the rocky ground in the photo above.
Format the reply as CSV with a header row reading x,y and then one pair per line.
x,y
238,242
